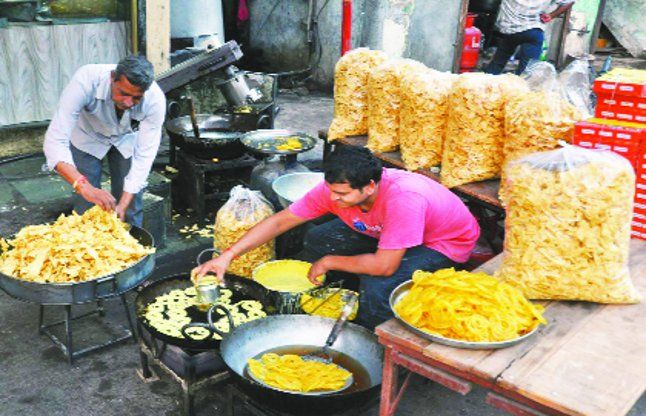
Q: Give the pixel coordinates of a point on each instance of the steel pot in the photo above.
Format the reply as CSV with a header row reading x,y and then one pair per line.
x,y
218,139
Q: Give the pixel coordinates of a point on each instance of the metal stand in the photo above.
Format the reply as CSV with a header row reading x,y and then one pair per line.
x,y
66,346
190,381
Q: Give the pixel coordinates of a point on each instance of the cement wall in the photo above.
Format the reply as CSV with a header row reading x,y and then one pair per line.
x,y
625,19
424,30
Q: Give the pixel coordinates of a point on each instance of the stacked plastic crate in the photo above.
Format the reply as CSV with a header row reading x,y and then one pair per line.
x,y
620,126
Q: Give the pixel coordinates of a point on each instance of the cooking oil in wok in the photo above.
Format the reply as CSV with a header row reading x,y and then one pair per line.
x,y
359,373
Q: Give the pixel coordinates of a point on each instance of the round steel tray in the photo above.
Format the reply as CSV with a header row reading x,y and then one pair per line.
x,y
403,289
88,291
264,141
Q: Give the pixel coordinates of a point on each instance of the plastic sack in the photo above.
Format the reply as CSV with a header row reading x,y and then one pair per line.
x,y
576,85
384,101
351,92
567,226
424,109
537,120
244,209
475,130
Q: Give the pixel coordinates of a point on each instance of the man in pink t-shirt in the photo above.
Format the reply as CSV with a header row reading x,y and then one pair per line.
x,y
390,223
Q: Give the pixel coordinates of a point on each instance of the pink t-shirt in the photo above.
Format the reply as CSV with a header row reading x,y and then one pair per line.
x,y
410,210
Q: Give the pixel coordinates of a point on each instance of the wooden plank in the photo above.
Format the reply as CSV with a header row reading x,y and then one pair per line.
x,y
394,332
510,406
596,368
432,373
158,34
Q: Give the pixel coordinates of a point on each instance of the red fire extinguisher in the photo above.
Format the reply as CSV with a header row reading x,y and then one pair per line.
x,y
470,45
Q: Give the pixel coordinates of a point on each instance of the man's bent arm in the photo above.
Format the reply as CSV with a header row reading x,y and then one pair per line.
x,y
380,263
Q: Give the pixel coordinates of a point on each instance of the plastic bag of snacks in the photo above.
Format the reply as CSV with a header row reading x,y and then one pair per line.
x,y
384,103
244,209
567,228
576,85
351,92
474,133
537,120
424,108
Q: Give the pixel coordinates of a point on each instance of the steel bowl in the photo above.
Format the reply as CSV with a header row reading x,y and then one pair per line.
x,y
87,291
403,289
294,186
275,332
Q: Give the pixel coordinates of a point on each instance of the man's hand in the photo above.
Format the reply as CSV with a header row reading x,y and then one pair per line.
x,y
318,268
546,17
102,198
218,265
120,210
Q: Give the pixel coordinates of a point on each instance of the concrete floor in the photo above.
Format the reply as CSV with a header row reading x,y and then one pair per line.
x,y
35,379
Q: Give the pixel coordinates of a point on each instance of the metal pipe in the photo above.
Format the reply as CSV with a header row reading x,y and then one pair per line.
x,y
134,27
346,27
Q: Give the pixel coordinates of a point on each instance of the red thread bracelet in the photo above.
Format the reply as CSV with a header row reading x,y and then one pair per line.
x,y
78,182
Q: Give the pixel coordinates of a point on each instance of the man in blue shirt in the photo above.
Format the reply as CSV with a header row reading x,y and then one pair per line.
x,y
113,111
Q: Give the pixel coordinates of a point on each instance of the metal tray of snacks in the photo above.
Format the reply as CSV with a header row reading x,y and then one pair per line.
x,y
403,289
87,291
277,142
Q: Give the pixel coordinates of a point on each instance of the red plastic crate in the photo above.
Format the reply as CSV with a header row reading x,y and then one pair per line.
x,y
614,102
619,88
636,233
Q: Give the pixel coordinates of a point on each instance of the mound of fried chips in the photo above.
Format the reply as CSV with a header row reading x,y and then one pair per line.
x,y
424,109
291,372
468,306
567,228
384,91
351,92
75,248
244,209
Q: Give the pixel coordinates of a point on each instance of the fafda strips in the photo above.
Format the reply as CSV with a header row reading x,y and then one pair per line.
x,y
474,134
424,109
567,228
244,209
74,248
351,92
384,97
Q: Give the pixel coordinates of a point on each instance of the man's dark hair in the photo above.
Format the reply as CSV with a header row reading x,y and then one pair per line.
x,y
137,70
354,165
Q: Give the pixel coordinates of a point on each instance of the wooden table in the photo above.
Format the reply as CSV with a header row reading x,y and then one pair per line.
x,y
589,360
481,197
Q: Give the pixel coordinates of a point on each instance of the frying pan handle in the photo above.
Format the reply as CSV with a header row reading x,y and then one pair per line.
x,y
338,326
225,312
198,259
198,325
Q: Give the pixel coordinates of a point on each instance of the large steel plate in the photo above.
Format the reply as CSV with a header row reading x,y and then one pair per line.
x,y
88,291
403,289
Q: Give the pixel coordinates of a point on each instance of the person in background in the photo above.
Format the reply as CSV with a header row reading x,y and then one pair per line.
x,y
114,112
522,23
390,224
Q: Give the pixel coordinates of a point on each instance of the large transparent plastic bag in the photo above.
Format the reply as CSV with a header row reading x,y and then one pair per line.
x,y
384,102
424,109
244,209
475,130
537,118
567,226
576,84
351,92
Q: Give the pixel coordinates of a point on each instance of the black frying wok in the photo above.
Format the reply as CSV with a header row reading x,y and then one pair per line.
x,y
242,289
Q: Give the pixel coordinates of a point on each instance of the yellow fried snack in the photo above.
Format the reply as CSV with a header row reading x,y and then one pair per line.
x,y
291,372
284,276
239,214
384,103
475,131
468,306
75,248
424,109
319,304
289,143
167,313
567,228
351,92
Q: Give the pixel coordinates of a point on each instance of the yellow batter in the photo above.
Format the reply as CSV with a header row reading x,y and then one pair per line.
x,y
285,276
